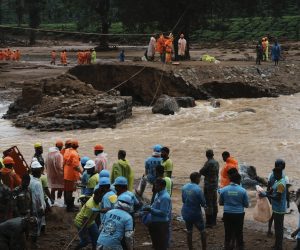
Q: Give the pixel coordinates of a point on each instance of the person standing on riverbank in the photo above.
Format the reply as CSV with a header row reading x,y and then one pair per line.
x,y
94,56
150,171
230,162
63,58
53,57
101,160
122,168
210,171
277,194
151,49
38,148
234,198
166,162
55,171
72,171
259,53
160,216
276,52
181,47
193,199
161,48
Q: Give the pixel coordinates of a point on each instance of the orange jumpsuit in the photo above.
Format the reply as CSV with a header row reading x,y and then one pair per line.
x,y
63,58
169,48
1,55
224,178
8,54
10,178
13,56
160,44
18,55
71,174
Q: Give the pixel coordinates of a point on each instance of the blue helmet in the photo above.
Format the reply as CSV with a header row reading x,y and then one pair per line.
x,y
125,198
121,180
157,148
84,160
104,173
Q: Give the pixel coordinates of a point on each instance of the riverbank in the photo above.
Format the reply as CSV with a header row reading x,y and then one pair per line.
x,y
60,231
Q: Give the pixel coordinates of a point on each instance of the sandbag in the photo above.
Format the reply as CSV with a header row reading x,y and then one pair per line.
x,y
142,186
262,210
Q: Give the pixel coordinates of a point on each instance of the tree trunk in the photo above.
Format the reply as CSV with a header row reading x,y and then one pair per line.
x,y
0,11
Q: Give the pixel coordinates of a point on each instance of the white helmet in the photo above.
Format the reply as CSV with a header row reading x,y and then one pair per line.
x,y
89,164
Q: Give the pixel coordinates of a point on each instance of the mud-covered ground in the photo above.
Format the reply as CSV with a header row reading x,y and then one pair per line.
x,y
60,231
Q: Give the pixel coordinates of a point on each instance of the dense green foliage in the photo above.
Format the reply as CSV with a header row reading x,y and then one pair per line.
x,y
199,19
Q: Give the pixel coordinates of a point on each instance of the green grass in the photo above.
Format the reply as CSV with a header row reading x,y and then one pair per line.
x,y
252,28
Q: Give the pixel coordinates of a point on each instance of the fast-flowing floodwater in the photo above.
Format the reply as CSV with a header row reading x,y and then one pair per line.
x,y
273,131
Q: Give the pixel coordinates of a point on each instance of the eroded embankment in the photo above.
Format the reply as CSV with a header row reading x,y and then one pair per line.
x,y
200,82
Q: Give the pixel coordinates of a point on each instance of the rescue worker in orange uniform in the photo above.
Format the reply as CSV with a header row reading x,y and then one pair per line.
x,y
8,54
4,52
72,170
160,47
230,163
264,47
1,55
169,48
68,144
13,56
88,57
63,58
18,55
7,174
53,57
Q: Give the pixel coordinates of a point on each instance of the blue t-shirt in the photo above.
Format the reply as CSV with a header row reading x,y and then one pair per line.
x,y
115,223
150,166
192,199
234,198
108,201
161,207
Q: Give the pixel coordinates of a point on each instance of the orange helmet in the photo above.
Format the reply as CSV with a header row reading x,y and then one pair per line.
x,y
8,160
98,147
59,143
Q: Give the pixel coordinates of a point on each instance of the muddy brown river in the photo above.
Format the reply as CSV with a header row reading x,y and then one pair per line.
x,y
273,131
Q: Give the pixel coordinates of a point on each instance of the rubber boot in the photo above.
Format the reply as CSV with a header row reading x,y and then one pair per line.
x,y
190,240
203,240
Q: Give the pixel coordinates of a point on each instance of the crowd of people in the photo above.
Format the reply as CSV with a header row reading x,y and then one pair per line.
x,y
163,45
109,201
10,55
262,51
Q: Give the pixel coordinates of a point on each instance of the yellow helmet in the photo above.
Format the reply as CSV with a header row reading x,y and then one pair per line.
x,y
37,145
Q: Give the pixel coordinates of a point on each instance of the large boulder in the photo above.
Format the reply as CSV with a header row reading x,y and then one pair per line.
x,y
165,105
185,102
